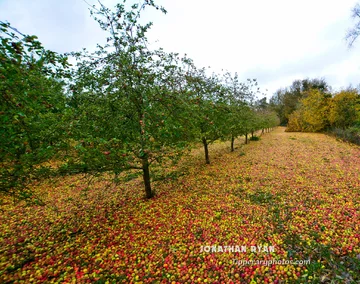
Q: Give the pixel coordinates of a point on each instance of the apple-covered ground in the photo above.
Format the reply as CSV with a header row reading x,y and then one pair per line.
x,y
296,195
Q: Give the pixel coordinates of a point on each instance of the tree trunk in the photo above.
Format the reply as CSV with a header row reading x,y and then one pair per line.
x,y
246,138
232,143
262,131
252,134
146,175
207,159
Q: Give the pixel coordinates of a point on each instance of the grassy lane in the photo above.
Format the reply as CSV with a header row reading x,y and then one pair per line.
x,y
293,196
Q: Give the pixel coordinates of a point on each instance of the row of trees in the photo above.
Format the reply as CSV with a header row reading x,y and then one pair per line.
x,y
123,106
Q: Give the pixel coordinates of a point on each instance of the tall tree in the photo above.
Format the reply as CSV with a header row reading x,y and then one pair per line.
x,y
277,104
129,104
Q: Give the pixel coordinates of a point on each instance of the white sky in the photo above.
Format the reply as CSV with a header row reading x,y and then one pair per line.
x,y
274,41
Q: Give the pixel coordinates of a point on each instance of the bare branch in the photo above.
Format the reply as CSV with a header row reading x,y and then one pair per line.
x,y
354,33
92,6
14,29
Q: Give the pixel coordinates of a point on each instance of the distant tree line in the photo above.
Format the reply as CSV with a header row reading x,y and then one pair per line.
x,y
309,105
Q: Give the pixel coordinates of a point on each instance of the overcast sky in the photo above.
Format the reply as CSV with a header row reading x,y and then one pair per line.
x,y
274,41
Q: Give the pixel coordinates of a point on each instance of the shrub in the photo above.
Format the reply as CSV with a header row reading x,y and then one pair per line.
x,y
254,138
351,134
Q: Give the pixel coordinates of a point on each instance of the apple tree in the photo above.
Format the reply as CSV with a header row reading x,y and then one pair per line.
x,y
209,107
240,96
129,103
32,109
